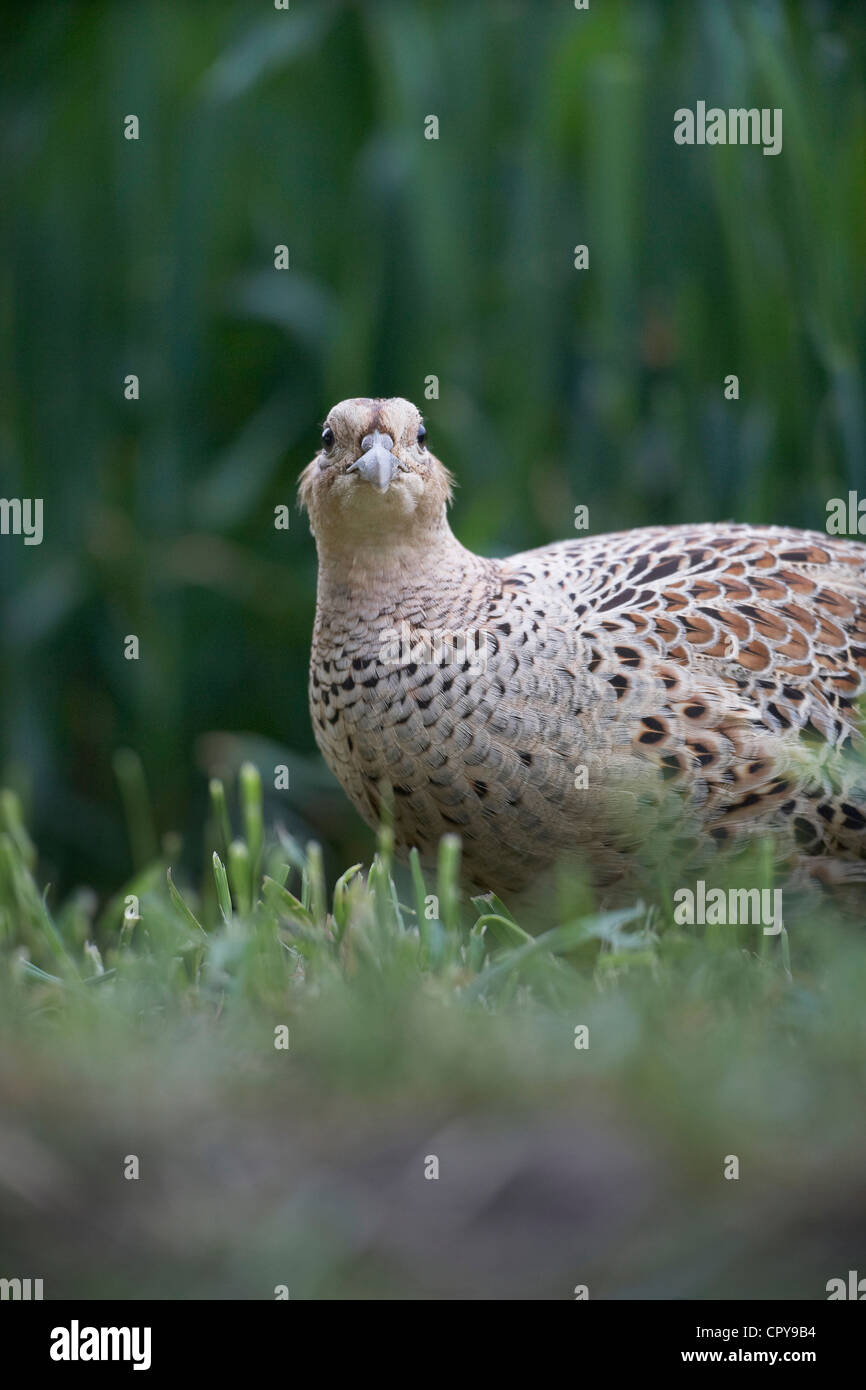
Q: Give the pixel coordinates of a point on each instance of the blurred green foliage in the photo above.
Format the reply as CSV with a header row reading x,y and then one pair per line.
x,y
409,257
284,1052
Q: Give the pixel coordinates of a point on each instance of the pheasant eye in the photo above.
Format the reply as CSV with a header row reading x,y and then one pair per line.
x,y
328,437
422,433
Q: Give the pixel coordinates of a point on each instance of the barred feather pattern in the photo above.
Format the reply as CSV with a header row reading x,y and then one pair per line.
x,y
686,687
723,661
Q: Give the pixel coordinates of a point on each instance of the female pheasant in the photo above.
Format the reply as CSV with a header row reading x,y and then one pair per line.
x,y
540,705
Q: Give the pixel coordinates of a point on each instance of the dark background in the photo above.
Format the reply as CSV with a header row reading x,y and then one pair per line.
x,y
409,257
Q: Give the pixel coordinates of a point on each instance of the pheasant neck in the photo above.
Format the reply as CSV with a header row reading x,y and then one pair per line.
x,y
430,562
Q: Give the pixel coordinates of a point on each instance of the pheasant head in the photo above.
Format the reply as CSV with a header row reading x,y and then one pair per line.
x,y
374,486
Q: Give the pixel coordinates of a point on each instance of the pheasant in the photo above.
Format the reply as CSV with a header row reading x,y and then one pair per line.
x,y
594,677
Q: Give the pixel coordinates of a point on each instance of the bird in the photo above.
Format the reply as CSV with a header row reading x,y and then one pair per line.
x,y
552,706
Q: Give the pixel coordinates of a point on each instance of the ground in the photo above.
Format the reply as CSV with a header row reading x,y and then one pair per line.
x,y
285,1075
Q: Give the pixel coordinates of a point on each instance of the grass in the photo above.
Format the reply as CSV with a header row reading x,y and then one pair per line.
x,y
417,1025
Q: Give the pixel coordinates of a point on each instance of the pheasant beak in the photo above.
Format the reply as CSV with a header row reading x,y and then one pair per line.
x,y
378,463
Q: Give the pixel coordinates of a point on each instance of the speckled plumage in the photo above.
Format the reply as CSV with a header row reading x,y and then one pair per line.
x,y
723,661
